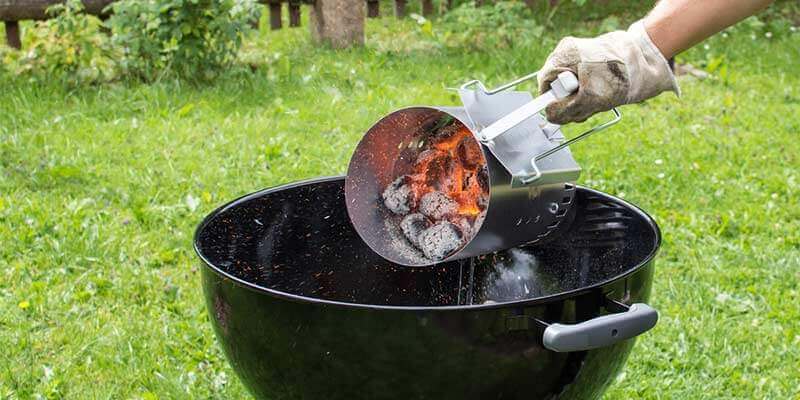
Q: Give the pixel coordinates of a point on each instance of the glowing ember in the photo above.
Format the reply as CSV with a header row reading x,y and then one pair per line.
x,y
452,166
445,193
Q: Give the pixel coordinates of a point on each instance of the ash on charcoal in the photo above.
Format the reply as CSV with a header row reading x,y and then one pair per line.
x,y
402,246
438,241
437,205
413,225
398,197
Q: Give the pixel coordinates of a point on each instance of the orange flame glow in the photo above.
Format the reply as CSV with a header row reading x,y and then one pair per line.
x,y
452,164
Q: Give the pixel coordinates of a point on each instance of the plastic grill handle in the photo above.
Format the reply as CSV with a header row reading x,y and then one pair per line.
x,y
601,331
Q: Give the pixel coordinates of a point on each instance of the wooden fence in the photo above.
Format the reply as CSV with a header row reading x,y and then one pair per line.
x,y
13,11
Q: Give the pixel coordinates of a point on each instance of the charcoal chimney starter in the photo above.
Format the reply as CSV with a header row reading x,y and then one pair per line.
x,y
430,184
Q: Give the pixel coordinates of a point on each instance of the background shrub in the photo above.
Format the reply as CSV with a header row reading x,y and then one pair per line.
x,y
495,26
70,47
192,38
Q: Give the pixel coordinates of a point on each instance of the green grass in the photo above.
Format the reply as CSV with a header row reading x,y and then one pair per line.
x,y
102,187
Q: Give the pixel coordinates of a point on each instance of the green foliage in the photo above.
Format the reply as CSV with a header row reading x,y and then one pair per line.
x,y
100,192
6,57
188,38
192,38
69,47
497,26
610,23
775,23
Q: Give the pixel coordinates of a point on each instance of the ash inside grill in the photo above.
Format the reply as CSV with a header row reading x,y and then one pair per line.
x,y
439,196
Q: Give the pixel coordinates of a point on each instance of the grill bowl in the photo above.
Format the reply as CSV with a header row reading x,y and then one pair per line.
x,y
303,309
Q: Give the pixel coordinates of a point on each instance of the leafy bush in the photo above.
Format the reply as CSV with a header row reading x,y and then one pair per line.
x,y
70,48
193,38
499,25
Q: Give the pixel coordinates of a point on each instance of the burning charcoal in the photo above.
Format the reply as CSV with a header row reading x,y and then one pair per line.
x,y
469,152
437,205
398,196
470,182
413,225
483,179
438,241
483,182
432,168
448,131
438,172
426,157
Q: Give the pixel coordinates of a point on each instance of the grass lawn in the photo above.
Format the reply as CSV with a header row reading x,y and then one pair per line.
x,y
102,187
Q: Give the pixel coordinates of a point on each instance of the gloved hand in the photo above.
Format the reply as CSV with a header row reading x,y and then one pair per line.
x,y
613,69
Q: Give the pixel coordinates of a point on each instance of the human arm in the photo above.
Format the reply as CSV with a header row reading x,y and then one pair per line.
x,y
676,25
630,66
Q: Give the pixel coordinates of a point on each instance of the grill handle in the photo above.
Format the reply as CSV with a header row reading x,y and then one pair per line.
x,y
601,331
564,85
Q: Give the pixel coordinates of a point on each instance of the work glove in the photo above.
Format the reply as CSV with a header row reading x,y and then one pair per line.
x,y
613,69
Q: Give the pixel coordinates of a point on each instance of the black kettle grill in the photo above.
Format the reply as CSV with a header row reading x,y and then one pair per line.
x,y
304,309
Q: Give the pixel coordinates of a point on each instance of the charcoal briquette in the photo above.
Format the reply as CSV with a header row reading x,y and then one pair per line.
x,y
398,196
437,205
440,240
469,153
413,225
448,131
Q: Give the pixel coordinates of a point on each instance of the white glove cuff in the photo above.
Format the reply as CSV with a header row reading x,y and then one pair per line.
x,y
653,56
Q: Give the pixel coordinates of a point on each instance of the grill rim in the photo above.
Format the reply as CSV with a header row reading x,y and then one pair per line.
x,y
340,304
